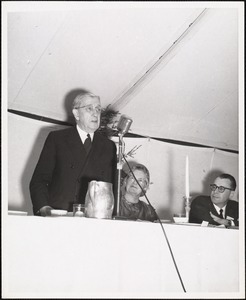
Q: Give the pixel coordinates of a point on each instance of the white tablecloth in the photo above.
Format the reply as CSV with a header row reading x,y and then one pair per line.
x,y
80,257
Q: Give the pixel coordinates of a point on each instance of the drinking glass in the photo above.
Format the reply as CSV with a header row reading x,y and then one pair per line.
x,y
78,210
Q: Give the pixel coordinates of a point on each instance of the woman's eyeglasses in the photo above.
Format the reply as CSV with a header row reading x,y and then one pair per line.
x,y
140,180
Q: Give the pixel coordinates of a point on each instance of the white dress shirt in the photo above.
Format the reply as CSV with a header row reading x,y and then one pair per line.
x,y
83,134
224,208
219,208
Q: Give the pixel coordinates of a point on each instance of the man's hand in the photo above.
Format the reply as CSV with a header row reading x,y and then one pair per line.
x,y
220,221
45,211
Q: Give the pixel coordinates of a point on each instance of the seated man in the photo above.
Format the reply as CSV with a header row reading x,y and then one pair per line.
x,y
130,205
217,209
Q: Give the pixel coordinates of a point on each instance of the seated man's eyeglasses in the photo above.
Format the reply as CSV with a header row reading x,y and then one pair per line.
x,y
221,189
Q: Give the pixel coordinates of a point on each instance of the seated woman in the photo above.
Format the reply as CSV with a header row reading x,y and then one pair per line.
x,y
130,205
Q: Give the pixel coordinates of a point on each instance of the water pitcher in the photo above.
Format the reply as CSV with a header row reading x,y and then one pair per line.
x,y
99,201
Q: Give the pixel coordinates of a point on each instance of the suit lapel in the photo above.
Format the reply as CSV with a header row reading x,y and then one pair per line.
x,y
96,151
212,208
229,211
76,148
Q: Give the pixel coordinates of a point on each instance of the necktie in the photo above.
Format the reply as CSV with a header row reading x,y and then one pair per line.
x,y
221,213
87,143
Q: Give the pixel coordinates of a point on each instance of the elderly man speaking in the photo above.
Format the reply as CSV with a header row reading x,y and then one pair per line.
x,y
71,158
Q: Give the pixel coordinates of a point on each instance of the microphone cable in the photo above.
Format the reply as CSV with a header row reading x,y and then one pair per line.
x,y
163,230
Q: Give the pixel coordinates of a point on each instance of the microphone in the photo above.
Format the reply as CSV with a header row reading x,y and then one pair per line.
x,y
124,124
122,127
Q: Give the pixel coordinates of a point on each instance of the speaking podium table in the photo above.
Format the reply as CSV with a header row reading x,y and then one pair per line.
x,y
66,257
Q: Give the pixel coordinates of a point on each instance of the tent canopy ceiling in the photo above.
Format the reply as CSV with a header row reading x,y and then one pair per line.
x,y
174,71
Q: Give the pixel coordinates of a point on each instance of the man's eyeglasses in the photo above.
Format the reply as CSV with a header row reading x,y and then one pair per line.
x,y
221,189
90,108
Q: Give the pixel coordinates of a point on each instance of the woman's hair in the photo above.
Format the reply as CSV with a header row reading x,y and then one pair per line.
x,y
138,167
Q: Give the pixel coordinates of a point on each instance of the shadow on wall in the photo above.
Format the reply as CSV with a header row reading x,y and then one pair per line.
x,y
166,212
26,204
32,160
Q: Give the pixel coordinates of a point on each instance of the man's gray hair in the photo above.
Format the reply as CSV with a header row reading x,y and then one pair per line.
x,y
78,99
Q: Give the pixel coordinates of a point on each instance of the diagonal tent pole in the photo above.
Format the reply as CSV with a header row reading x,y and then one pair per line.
x,y
125,98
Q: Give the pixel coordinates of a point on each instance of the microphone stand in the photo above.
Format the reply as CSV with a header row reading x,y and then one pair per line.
x,y
119,168
122,127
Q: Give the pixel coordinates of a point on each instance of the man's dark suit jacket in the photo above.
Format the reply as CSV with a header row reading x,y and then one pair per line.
x,y
201,207
63,171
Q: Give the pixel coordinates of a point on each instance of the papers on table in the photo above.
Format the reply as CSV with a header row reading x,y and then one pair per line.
x,y
17,213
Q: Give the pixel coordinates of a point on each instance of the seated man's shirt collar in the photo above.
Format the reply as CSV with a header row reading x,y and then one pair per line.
x,y
218,209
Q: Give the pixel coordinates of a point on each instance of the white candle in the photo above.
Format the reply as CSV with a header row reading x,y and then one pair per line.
x,y
187,192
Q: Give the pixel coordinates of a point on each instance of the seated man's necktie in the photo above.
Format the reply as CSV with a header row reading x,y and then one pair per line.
x,y
88,143
221,213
